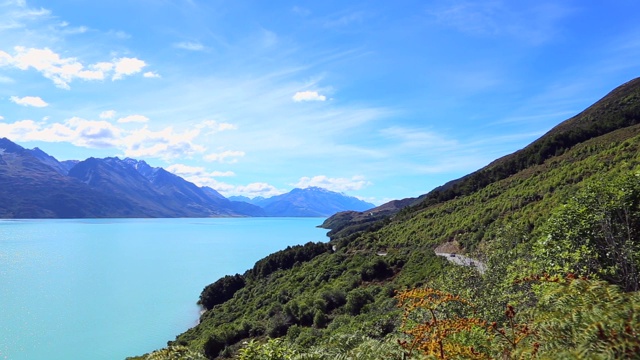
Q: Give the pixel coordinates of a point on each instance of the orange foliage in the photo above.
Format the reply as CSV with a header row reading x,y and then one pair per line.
x,y
437,334
433,336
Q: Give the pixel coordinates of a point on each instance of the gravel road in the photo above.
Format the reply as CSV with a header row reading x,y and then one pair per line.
x,y
464,261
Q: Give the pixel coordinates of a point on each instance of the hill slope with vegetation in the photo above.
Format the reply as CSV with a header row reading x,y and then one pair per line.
x,y
618,110
557,225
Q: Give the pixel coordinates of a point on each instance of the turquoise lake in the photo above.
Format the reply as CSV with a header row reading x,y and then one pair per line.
x,y
112,288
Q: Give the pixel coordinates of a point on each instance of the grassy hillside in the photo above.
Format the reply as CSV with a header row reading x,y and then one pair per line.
x,y
314,296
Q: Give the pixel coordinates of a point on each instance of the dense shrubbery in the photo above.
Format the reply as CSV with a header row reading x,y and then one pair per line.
x,y
287,258
597,233
221,291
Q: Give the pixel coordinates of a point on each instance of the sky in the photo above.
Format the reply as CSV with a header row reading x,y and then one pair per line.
x,y
376,99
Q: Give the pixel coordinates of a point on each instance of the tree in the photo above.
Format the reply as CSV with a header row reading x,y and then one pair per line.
x,y
356,300
221,291
597,233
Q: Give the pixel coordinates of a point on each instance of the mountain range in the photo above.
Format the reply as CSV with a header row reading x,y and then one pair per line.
x,y
36,185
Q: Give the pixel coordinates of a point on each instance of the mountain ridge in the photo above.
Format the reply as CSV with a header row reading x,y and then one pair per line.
x,y
114,187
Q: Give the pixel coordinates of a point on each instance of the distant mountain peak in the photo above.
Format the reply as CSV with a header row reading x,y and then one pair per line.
x,y
9,146
312,201
142,167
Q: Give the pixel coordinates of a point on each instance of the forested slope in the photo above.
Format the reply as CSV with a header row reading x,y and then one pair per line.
x,y
513,215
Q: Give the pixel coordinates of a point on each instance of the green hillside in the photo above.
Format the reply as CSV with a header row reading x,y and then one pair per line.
x,y
561,205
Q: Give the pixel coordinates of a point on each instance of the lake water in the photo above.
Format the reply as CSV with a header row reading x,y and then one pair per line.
x,y
111,288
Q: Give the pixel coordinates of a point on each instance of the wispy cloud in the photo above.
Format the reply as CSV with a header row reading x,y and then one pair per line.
x,y
18,15
533,24
227,156
69,30
34,101
213,126
189,45
301,11
119,34
269,38
343,19
416,138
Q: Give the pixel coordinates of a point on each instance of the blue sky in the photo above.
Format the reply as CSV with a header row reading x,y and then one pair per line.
x,y
377,99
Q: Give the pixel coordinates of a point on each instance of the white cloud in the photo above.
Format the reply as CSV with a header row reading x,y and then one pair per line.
x,y
1,117
308,96
63,71
91,133
127,66
151,75
6,79
165,144
197,174
333,184
201,177
109,114
256,189
77,131
181,169
133,118
189,45
34,101
223,156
